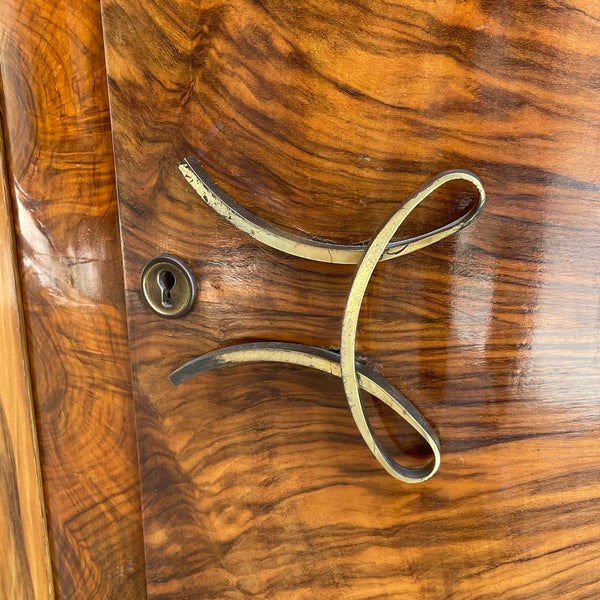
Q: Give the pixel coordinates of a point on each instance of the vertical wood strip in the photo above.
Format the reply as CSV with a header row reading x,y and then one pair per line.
x,y
25,572
60,166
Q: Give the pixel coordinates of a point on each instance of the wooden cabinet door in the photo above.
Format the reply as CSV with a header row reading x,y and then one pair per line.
x,y
321,118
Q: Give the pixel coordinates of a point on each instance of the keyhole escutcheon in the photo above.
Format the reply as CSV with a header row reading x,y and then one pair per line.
x,y
168,286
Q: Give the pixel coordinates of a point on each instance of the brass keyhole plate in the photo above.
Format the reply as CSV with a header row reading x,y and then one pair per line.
x,y
168,286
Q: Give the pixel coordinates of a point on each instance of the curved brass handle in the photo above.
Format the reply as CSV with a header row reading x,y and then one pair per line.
x,y
320,250
327,361
354,375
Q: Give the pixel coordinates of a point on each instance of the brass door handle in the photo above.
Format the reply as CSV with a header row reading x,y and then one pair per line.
x,y
327,361
354,375
320,250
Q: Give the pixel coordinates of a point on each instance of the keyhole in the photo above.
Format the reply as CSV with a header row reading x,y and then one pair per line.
x,y
166,282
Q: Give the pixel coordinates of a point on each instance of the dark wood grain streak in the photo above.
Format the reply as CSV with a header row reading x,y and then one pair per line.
x,y
61,175
321,117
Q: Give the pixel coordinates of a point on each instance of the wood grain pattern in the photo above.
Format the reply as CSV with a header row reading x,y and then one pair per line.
x,y
322,116
25,573
61,168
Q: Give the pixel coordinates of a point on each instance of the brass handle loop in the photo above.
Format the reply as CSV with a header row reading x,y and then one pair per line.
x,y
319,250
327,361
372,255
354,375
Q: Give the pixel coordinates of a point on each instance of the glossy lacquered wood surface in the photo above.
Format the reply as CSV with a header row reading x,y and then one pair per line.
x,y
61,176
25,573
321,117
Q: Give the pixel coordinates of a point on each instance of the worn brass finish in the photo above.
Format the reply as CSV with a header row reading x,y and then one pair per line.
x,y
168,287
327,361
372,255
354,376
321,250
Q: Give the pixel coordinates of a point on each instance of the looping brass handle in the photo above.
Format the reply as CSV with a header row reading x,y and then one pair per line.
x,y
354,375
327,361
320,250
